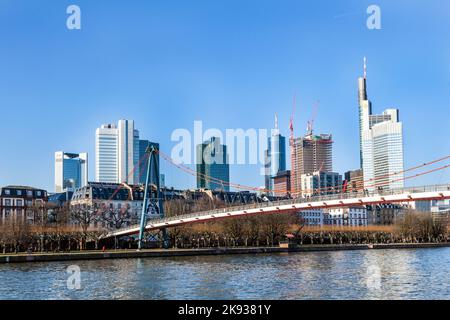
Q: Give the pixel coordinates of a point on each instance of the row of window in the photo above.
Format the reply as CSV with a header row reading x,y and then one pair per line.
x,y
18,213
29,193
18,202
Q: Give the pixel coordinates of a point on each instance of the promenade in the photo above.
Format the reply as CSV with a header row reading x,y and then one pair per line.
x,y
160,253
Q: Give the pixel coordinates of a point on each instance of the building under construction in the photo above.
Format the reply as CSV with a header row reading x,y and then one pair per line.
x,y
309,154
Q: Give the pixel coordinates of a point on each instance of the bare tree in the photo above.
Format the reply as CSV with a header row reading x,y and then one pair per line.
x,y
276,226
85,218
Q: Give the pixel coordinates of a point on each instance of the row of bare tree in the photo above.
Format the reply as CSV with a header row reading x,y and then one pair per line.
x,y
65,229
60,228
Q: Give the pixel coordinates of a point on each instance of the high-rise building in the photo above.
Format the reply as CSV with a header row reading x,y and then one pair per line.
x,y
162,180
320,183
106,154
381,143
143,164
282,183
128,151
71,171
213,169
354,181
311,153
117,153
275,156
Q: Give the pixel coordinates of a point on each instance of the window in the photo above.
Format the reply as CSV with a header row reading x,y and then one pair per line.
x,y
7,202
7,192
19,192
29,193
38,193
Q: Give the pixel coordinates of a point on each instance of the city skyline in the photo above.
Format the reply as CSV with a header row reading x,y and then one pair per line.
x,y
300,66
249,152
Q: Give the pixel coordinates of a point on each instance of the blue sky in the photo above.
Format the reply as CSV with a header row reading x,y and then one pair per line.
x,y
231,64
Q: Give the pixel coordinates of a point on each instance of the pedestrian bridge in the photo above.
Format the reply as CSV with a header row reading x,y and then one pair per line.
x,y
439,192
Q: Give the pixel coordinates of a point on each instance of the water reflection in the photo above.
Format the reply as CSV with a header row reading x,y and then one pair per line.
x,y
372,274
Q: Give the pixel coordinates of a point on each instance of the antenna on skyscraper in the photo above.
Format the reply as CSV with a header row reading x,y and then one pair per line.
x,y
277,131
365,68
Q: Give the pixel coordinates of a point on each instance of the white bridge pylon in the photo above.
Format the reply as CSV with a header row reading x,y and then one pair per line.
x,y
296,205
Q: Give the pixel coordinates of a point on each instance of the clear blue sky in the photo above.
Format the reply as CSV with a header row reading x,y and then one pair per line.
x,y
229,63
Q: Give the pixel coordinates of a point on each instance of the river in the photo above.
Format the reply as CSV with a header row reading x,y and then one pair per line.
x,y
367,274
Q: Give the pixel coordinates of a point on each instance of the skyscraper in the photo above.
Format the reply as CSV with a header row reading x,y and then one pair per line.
x,y
117,153
212,162
106,154
311,153
275,156
71,171
128,151
381,143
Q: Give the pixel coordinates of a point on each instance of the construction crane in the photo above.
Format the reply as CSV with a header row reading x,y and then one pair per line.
x,y
291,121
310,123
291,143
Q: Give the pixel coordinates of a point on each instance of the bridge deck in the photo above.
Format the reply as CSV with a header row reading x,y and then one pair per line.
x,y
319,202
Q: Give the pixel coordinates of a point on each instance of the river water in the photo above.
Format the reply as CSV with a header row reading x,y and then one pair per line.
x,y
369,274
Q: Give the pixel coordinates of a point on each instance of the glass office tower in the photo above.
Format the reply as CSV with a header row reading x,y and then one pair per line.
x,y
213,169
71,171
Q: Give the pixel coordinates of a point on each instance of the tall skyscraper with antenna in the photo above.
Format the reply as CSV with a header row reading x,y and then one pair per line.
x,y
381,143
275,155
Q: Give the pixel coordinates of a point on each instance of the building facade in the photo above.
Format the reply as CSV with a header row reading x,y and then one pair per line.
x,y
354,181
381,144
21,204
117,151
128,152
384,214
275,156
106,154
282,183
312,217
71,171
110,197
320,183
353,216
311,153
213,169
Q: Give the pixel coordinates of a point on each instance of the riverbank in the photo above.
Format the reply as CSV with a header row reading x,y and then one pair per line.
x,y
158,253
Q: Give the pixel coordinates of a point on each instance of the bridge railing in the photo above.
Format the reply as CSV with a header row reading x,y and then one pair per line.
x,y
299,200
322,198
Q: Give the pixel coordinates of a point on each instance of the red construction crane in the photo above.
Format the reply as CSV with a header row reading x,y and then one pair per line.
x,y
310,123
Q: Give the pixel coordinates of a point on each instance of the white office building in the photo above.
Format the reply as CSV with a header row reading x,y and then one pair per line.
x,y
381,143
71,171
117,153
312,217
354,217
320,183
106,154
128,152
